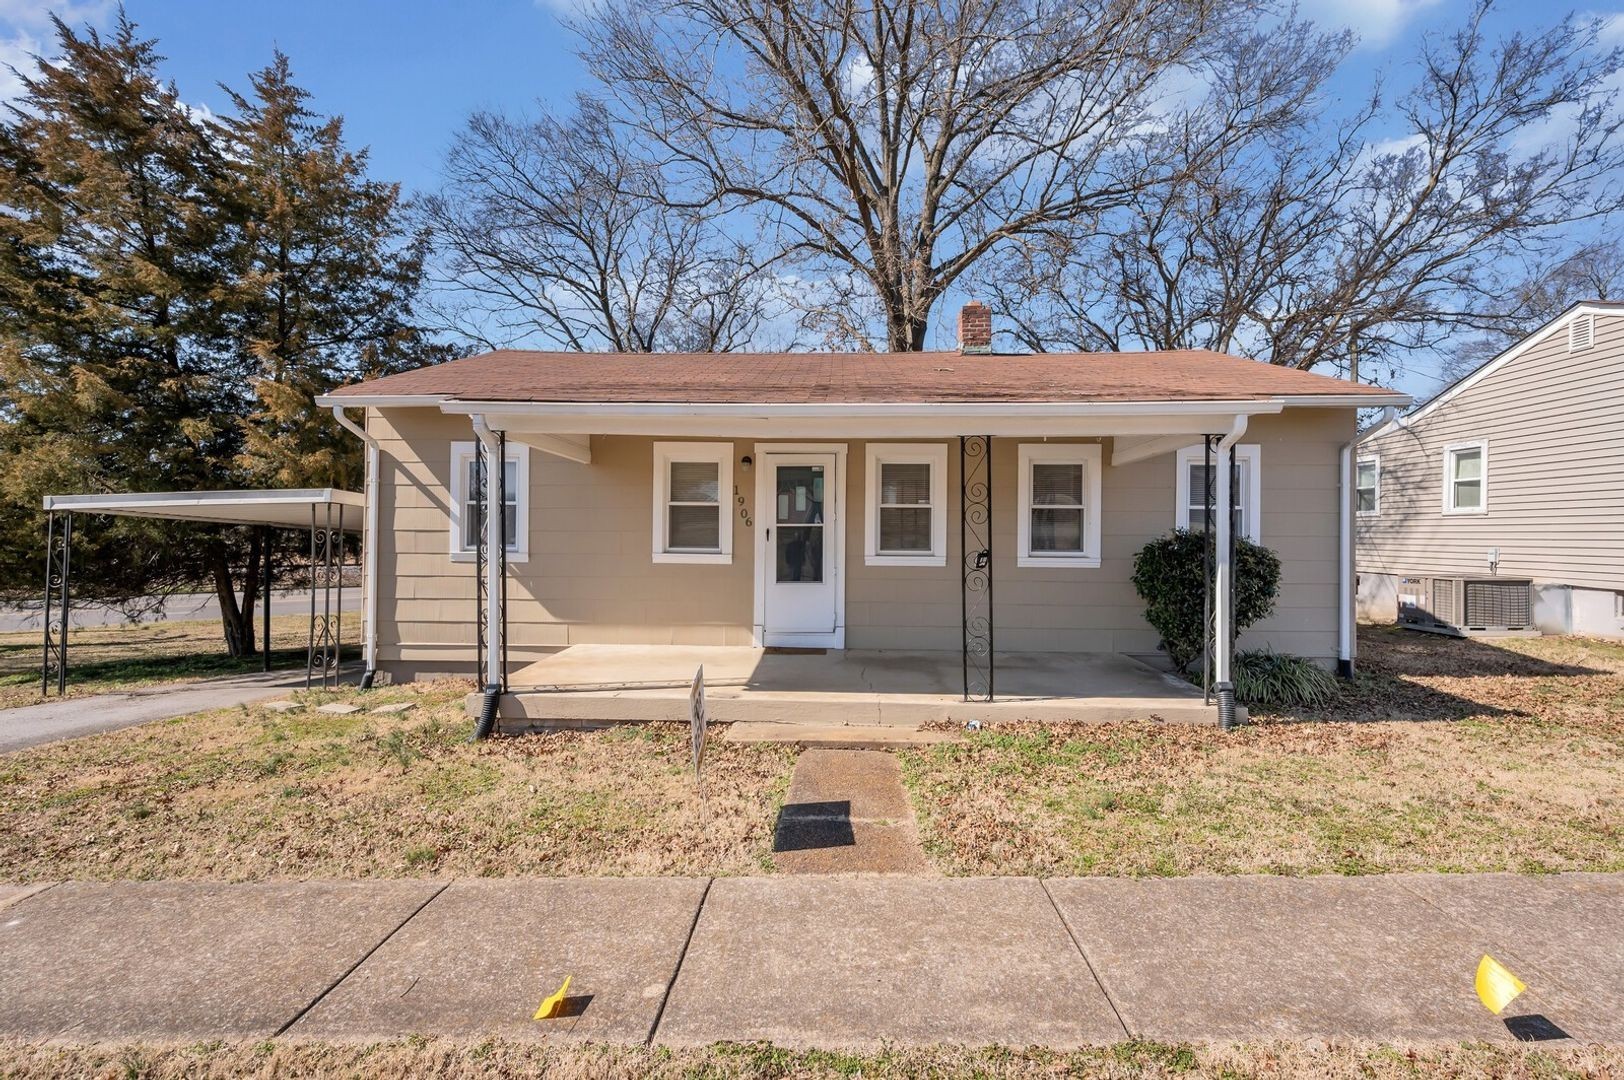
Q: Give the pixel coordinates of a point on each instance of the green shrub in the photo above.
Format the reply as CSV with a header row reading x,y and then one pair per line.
x,y
1167,574
1278,679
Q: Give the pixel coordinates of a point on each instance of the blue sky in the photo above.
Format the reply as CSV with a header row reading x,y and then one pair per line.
x,y
404,73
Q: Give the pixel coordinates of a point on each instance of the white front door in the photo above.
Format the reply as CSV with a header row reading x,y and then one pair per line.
x,y
799,505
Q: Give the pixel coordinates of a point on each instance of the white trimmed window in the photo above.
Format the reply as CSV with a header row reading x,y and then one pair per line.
x,y
1192,495
1059,522
466,521
693,486
1367,485
1581,332
1466,478
906,505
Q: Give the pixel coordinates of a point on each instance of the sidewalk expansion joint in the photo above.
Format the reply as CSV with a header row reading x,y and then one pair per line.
x,y
334,985
1092,970
659,1014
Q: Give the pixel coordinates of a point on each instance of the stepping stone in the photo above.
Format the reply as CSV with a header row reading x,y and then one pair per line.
x,y
847,812
283,706
339,708
396,709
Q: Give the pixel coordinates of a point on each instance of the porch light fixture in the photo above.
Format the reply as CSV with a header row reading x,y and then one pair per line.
x,y
745,462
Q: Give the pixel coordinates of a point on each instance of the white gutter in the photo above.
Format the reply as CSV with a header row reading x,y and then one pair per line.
x,y
1204,407
1347,634
380,401
1224,592
369,548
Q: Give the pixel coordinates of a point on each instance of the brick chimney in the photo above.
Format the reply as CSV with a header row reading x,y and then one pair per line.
x,y
975,328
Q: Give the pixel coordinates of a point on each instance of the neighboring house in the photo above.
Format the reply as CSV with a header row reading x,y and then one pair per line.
x,y
1514,473
837,502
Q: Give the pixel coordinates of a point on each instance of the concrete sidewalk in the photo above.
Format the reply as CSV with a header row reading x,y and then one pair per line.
x,y
71,717
836,962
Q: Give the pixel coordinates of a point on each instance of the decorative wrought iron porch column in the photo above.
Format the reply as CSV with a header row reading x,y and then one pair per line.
x,y
58,580
975,570
484,481
326,572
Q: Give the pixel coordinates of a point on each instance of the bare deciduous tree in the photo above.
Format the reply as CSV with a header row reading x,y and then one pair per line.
x,y
1550,286
890,145
1308,247
549,228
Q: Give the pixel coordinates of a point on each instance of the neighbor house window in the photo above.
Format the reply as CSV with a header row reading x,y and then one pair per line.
x,y
466,520
1466,478
693,490
1196,487
1367,485
1059,522
906,516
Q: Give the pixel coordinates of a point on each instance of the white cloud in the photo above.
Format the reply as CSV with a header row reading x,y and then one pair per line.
x,y
25,32
1377,22
1611,30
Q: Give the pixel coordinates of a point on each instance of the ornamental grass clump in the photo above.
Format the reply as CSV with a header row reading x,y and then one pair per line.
x,y
1167,573
1283,681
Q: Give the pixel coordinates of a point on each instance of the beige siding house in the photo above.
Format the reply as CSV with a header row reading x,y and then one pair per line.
x,y
975,514
1514,473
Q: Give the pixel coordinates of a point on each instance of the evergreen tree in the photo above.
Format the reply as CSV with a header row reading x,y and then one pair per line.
x,y
174,292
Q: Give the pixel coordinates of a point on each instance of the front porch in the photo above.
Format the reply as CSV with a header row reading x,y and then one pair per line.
x,y
585,685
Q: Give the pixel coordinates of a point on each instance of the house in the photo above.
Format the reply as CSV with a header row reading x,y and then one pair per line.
x,y
909,530
1499,503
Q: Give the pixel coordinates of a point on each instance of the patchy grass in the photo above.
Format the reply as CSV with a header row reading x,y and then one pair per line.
x,y
106,658
1521,770
463,1061
249,793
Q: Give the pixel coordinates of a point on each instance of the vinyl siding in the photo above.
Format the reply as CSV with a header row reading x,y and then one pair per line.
x,y
590,577
1554,424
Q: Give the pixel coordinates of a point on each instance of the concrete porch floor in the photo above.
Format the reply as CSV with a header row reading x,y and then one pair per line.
x,y
585,684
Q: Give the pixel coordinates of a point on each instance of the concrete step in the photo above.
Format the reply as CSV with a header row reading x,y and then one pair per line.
x,y
835,736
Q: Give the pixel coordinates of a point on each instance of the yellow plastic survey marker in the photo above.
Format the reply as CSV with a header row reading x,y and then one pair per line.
x,y
1495,985
553,1005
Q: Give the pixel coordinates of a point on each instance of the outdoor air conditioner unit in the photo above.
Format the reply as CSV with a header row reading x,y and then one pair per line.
x,y
1466,606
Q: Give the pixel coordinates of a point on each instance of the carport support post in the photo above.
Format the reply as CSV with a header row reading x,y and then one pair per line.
x,y
265,613
58,575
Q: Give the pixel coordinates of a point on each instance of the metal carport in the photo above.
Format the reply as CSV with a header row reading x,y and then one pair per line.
x,y
326,513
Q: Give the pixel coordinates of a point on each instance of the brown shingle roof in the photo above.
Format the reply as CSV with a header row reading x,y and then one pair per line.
x,y
805,378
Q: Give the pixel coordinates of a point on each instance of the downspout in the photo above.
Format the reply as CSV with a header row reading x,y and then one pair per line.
x,y
1347,576
369,550
494,543
1224,605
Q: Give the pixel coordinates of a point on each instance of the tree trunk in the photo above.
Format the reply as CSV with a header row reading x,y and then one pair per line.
x,y
237,619
904,334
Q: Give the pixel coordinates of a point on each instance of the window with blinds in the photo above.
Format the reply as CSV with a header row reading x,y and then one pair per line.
x,y
907,504
1059,504
905,509
1057,507
467,522
694,507
693,489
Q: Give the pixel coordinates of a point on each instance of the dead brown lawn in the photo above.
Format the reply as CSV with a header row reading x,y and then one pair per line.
x,y
248,793
108,658
1511,758
1505,756
465,1061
